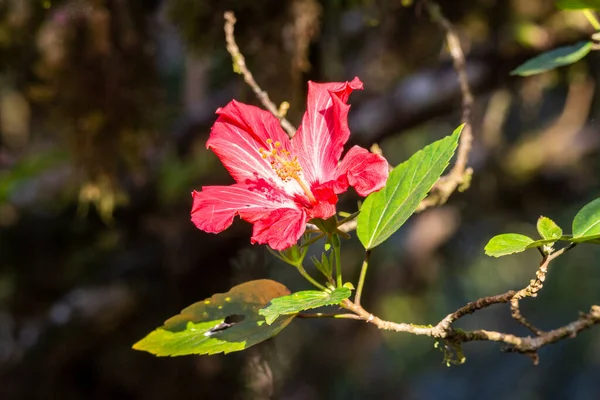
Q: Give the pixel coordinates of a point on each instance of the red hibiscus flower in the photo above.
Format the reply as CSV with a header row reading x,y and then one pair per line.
x,y
283,183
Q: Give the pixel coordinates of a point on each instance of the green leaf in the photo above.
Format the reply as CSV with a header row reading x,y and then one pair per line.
x,y
553,59
578,4
384,212
587,221
548,228
507,243
225,322
301,301
325,266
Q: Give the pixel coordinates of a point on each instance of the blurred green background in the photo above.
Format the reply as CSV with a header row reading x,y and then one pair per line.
x,y
105,107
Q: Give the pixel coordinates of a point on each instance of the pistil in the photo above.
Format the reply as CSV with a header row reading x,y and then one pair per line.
x,y
286,166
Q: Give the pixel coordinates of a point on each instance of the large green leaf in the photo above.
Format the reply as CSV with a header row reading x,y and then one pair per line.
x,y
225,322
548,228
578,4
553,59
301,301
587,221
384,212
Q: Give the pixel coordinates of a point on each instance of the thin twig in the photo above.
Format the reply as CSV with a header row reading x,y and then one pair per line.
x,y
460,175
526,345
471,307
530,344
240,66
535,285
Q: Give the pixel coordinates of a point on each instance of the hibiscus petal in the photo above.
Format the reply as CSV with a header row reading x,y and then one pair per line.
x,y
327,197
215,206
365,171
320,140
281,228
238,134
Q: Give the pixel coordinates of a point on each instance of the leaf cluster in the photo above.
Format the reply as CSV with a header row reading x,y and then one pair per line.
x,y
586,229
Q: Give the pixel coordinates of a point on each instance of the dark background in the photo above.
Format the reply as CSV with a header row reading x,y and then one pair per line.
x,y
105,107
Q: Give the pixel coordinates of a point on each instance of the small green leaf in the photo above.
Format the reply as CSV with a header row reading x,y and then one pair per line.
x,y
384,212
225,322
587,221
507,243
578,4
553,59
300,301
325,266
548,228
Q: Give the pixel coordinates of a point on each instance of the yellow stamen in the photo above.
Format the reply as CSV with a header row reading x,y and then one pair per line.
x,y
285,166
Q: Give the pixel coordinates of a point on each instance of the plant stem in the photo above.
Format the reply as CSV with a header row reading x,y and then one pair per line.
x,y
591,17
308,277
313,239
361,279
348,218
335,243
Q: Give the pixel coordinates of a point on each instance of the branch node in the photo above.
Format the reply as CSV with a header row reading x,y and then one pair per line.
x,y
535,285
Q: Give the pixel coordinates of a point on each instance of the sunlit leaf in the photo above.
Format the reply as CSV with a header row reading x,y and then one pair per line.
x,y
553,59
225,322
301,301
507,243
384,212
578,4
548,228
586,224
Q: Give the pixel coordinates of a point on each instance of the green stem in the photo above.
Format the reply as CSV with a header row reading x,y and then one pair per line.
x,y
312,240
591,17
308,277
361,279
348,218
335,243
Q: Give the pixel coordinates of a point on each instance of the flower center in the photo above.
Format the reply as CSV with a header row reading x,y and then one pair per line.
x,y
285,166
